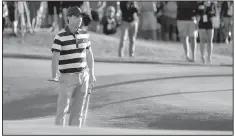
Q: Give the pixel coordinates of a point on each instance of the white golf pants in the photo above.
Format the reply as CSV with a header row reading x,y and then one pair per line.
x,y
72,94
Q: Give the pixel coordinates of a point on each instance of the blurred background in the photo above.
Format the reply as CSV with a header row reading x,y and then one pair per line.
x,y
29,27
50,15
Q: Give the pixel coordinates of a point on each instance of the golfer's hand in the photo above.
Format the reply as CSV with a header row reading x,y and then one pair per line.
x,y
92,81
56,79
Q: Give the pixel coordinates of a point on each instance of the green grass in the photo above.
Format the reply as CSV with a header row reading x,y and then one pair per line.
x,y
106,47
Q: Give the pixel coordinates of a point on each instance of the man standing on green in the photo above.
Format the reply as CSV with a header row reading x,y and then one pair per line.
x,y
73,57
187,27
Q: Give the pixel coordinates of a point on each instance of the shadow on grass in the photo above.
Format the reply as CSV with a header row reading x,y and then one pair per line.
x,y
184,121
30,107
42,105
163,95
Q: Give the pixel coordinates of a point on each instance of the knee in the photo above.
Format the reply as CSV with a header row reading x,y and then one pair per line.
x,y
210,41
132,40
123,39
193,39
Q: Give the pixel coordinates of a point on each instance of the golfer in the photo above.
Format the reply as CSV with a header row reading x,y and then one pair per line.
x,y
73,57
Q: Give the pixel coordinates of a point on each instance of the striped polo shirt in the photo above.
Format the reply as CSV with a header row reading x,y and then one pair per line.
x,y
72,48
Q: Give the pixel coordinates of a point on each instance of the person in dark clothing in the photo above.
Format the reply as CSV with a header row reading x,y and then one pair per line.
x,y
110,22
54,9
206,10
97,12
226,16
187,26
4,14
130,23
12,15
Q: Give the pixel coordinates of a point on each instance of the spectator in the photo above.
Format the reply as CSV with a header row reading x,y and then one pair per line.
x,y
33,8
4,15
216,22
226,15
206,10
97,13
12,16
109,22
186,23
148,22
41,14
129,25
170,21
54,9
24,10
160,20
118,11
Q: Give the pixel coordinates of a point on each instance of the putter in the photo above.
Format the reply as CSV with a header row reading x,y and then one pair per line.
x,y
86,105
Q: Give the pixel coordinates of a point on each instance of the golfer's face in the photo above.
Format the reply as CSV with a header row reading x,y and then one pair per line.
x,y
76,21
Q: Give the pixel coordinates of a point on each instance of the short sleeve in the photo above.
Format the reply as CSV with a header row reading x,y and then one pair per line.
x,y
56,44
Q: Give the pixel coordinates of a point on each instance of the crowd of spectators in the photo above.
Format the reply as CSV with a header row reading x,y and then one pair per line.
x,y
157,20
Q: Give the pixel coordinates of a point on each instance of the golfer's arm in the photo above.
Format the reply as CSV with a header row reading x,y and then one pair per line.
x,y
54,63
90,61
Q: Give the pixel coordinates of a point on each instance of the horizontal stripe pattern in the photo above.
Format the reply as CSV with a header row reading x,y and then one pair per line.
x,y
56,50
56,46
74,55
72,50
71,61
72,70
72,65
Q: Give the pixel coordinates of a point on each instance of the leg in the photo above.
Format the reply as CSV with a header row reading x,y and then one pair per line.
x,y
34,23
78,104
202,43
132,32
210,35
28,17
122,39
153,34
15,18
184,38
163,27
185,41
170,28
167,25
193,42
63,103
193,33
144,34
226,29
152,23
50,20
22,18
54,22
